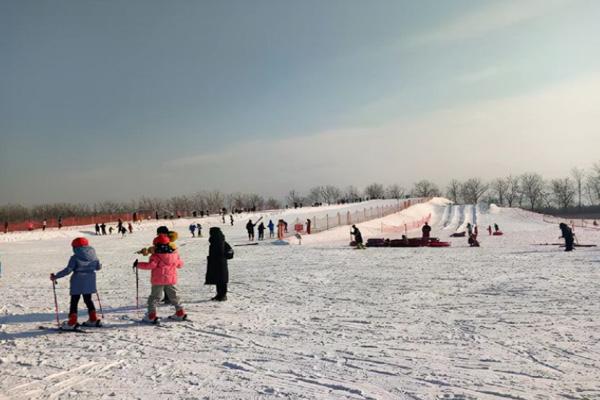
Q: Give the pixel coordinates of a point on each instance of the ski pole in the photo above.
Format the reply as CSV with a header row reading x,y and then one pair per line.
x,y
55,303
100,304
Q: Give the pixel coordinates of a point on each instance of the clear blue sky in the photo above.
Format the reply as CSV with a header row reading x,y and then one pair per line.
x,y
116,99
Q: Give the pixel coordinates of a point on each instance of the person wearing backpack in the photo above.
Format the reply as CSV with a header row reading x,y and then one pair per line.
x,y
217,273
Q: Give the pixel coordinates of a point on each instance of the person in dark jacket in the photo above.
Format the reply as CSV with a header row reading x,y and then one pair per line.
x,y
217,272
250,228
271,226
97,229
568,235
308,223
261,231
103,228
426,230
357,237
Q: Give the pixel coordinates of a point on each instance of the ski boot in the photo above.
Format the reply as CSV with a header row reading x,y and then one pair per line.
x,y
180,315
71,324
150,318
93,321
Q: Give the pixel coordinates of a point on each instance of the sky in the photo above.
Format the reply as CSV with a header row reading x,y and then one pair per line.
x,y
113,100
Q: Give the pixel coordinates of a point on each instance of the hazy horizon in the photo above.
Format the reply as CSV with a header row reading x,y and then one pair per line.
x,y
113,101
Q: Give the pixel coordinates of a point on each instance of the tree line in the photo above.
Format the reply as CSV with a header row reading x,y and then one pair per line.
x,y
530,190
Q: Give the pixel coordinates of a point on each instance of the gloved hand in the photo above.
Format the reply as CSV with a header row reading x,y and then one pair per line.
x,y
135,263
52,277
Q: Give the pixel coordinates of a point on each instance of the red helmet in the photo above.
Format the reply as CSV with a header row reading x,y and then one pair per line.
x,y
80,242
161,239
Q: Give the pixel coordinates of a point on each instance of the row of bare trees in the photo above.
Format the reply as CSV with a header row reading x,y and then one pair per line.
x,y
531,190
212,201
331,194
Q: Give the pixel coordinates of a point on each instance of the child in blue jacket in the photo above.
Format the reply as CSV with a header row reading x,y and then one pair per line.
x,y
83,265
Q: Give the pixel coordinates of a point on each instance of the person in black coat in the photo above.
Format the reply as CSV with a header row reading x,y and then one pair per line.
x,y
217,272
567,234
250,229
261,231
426,230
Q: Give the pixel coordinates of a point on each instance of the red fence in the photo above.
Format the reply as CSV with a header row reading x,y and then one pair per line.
x,y
73,221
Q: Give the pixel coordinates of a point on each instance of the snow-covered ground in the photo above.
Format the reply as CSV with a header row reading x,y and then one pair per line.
x,y
510,319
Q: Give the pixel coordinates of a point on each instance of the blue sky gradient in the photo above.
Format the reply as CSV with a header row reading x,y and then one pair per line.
x,y
111,100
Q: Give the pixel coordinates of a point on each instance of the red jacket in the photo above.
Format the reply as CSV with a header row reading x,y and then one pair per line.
x,y
164,268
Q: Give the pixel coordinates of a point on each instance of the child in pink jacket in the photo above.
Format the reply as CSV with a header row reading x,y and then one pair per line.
x,y
163,264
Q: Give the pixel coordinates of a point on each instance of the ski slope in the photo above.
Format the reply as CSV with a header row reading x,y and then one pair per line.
x,y
508,320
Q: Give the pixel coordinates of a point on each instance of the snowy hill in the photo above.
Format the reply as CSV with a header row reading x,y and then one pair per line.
x,y
507,320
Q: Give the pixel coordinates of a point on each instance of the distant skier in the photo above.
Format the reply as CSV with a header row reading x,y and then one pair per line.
x,y
44,224
103,227
473,241
60,224
199,227
497,228
163,263
5,226
231,219
83,264
123,231
250,228
120,225
476,231
130,227
271,227
568,235
217,272
192,229
358,239
308,223
97,229
285,226
489,229
261,231
426,231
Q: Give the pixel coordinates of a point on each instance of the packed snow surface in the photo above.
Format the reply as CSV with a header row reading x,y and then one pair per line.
x,y
513,319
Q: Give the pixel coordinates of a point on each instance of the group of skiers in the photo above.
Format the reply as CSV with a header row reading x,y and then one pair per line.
x,y
101,228
163,263
195,227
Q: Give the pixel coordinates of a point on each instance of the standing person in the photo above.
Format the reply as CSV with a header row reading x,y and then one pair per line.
x,y
156,215
123,231
473,242
97,229
199,227
476,231
285,224
250,229
223,217
231,219
426,232
217,272
308,223
357,237
163,264
261,231
110,230
490,229
568,235
192,229
59,222
469,229
83,264
5,226
135,217
44,224
280,229
130,227
119,225
271,227
496,228
103,227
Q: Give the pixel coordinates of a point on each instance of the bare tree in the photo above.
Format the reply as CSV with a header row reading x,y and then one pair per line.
x,y
330,194
425,188
315,194
352,193
500,188
563,191
592,185
453,190
472,190
215,200
579,178
272,204
395,191
293,197
532,187
513,190
375,191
